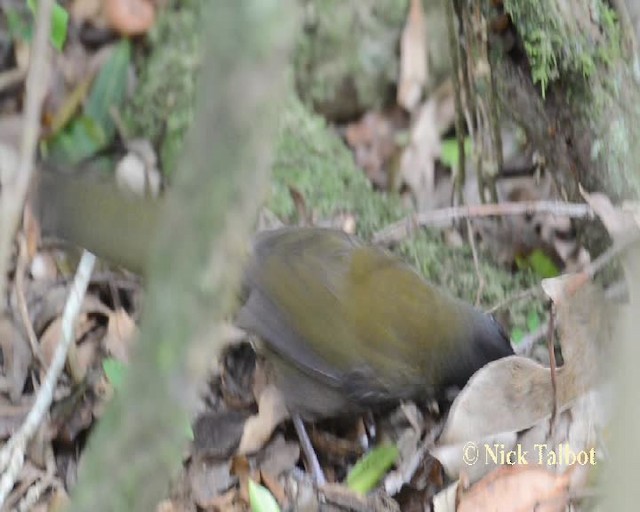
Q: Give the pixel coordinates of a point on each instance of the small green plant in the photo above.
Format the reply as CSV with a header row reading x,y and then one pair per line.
x,y
260,499
94,128
449,154
114,370
22,29
371,468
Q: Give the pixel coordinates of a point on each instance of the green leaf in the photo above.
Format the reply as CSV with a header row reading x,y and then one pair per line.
x,y
260,499
78,141
95,129
542,265
109,88
516,335
371,468
114,370
19,29
449,153
59,23
533,321
188,429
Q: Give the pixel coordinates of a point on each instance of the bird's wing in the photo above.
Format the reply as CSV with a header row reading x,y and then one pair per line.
x,y
332,306
292,301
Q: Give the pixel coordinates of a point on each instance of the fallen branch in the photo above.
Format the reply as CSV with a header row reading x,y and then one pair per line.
x,y
399,230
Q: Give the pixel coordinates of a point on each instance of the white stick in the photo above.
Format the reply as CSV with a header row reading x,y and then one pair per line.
x,y
13,452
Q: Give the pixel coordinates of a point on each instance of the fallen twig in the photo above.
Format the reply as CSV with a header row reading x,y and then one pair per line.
x,y
399,230
11,78
476,263
14,189
12,454
22,302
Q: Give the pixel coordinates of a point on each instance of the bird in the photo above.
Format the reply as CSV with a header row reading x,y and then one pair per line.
x,y
347,326
344,326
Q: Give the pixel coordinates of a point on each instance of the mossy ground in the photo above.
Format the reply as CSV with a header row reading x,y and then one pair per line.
x,y
309,157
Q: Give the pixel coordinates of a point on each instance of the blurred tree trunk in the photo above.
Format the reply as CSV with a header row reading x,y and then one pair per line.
x,y
194,269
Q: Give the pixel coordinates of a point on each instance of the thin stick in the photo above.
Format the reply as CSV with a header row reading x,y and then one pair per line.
x,y
476,262
399,230
521,295
22,302
454,48
12,454
15,188
618,247
309,452
11,78
525,346
552,368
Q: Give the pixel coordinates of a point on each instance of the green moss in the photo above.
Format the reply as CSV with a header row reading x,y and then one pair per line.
x,y
346,58
558,45
162,107
453,269
311,158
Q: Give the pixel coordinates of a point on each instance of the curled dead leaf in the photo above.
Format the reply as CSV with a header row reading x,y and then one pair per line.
x,y
413,58
618,223
129,17
16,357
121,332
258,429
518,489
514,396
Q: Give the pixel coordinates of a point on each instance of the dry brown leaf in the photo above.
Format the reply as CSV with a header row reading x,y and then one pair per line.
x,y
417,163
51,336
507,395
445,500
513,394
413,58
216,435
455,457
578,431
343,498
121,333
59,500
258,429
17,357
46,308
12,415
518,489
43,267
31,230
279,456
137,176
618,223
86,10
129,17
373,140
208,480
40,447
276,489
85,356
